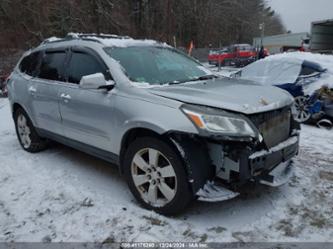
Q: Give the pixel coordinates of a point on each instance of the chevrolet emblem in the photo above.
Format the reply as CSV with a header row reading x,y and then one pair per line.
x,y
264,101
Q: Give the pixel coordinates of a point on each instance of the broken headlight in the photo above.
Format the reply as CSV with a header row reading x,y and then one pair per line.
x,y
218,121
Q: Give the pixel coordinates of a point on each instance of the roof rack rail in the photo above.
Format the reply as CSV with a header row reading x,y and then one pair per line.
x,y
86,37
106,36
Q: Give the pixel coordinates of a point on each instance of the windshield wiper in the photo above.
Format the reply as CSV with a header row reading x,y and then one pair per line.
x,y
204,77
208,77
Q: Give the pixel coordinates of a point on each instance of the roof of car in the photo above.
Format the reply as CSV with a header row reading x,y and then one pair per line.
x,y
305,61
106,40
242,45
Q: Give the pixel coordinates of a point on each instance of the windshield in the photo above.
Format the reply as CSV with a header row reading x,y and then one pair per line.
x,y
157,65
245,48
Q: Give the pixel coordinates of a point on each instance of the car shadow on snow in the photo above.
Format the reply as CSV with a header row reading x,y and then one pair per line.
x,y
95,173
84,160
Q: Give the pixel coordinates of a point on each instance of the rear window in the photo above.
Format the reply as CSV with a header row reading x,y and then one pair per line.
x,y
245,48
29,64
52,66
310,68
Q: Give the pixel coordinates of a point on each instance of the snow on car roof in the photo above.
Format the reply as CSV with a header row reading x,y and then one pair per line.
x,y
115,41
107,40
325,61
110,40
291,60
52,39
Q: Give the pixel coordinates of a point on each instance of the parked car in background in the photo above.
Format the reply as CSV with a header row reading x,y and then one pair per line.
x,y
238,55
301,77
217,55
242,55
168,123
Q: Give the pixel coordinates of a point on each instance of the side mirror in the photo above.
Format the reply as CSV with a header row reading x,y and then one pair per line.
x,y
96,81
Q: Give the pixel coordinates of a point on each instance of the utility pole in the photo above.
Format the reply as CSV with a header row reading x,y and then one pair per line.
x,y
262,29
219,58
169,20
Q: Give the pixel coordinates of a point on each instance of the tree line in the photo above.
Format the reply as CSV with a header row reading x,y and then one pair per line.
x,y
25,23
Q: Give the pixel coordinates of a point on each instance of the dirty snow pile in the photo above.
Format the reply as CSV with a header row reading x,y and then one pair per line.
x,y
225,71
65,195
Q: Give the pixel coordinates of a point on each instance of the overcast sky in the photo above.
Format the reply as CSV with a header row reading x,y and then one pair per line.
x,y
297,15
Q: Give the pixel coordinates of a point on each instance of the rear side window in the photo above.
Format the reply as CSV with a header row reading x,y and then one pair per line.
x,y
29,64
307,71
310,68
52,66
244,48
83,64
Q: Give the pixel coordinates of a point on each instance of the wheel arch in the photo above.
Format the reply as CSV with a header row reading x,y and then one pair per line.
x,y
129,137
191,149
15,106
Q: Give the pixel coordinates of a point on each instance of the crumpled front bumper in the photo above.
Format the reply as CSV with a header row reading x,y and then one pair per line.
x,y
263,162
280,175
247,165
273,167
213,192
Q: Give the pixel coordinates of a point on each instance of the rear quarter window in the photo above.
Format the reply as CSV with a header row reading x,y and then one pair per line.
x,y
310,68
306,71
53,66
29,64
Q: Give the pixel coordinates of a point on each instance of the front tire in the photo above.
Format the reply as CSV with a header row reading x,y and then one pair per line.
x,y
301,109
156,176
26,133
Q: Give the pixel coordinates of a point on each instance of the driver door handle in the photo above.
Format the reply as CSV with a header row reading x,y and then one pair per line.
x,y
65,97
32,90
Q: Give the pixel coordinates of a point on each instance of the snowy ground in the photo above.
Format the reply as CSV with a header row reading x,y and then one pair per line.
x,y
224,71
64,195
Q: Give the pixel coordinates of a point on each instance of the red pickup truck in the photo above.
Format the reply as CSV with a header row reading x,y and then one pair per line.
x,y
238,55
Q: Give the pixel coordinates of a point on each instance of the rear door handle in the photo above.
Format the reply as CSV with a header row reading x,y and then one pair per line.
x,y
32,90
65,97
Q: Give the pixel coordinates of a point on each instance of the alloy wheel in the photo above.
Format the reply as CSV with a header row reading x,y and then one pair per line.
x,y
301,109
154,177
23,131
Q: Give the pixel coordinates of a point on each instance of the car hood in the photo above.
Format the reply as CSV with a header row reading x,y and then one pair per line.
x,y
229,94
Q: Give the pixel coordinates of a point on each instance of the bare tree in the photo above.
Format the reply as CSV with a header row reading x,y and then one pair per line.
x,y
25,23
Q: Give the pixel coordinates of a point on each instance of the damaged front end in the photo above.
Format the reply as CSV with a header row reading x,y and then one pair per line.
x,y
261,152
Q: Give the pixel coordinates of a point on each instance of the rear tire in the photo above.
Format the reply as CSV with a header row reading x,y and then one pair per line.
x,y
26,133
161,183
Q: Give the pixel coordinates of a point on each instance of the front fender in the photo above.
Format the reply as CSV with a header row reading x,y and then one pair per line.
x,y
132,113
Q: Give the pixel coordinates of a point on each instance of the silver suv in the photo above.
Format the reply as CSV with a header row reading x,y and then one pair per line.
x,y
175,130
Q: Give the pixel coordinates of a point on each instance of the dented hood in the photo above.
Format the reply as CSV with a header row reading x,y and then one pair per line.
x,y
229,94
